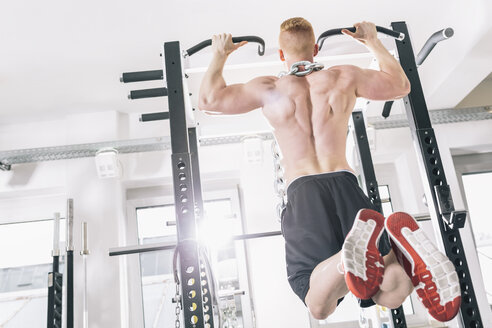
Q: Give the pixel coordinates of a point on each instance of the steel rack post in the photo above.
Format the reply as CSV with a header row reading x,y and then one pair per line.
x,y
55,295
69,240
437,190
371,185
189,263
206,282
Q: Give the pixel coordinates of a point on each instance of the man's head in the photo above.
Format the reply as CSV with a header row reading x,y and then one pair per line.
x,y
297,40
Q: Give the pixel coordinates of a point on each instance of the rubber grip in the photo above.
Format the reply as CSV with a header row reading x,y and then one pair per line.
x,y
336,31
236,39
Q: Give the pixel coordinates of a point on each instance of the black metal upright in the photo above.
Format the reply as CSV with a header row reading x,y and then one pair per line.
x,y
183,192
437,190
371,185
55,295
70,248
206,277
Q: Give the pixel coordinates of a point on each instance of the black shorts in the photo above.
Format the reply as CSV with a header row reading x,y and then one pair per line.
x,y
320,212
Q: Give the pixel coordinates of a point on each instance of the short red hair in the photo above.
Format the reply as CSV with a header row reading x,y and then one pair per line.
x,y
296,36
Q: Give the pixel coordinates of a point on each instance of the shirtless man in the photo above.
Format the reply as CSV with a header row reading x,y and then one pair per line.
x,y
310,118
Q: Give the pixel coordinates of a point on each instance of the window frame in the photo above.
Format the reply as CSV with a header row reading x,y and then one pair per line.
x,y
155,196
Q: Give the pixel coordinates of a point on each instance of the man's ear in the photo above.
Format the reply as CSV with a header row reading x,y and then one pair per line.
x,y
281,54
316,50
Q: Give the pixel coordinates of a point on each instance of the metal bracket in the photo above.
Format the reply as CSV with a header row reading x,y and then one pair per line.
x,y
446,204
453,219
456,220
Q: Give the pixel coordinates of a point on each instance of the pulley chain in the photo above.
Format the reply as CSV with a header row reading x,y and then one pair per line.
x,y
279,184
177,299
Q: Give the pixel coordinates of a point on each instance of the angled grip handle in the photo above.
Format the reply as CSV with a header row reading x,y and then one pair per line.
x,y
236,39
321,39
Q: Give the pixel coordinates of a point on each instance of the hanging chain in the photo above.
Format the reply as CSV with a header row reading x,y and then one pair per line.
x,y
279,184
177,296
177,299
308,68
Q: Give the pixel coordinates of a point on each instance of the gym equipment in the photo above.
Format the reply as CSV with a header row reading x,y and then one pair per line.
x,y
206,43
197,310
69,240
126,250
308,68
84,253
431,43
437,191
55,280
336,31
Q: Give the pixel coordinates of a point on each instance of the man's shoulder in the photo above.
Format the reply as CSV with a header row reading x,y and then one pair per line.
x,y
264,82
344,69
348,73
266,79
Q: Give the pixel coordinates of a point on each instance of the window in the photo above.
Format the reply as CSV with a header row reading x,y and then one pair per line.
x,y
24,266
156,224
477,190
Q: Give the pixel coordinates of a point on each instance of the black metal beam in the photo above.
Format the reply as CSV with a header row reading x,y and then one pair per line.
x,y
371,185
439,198
154,117
141,76
199,210
189,263
170,245
55,295
147,93
177,114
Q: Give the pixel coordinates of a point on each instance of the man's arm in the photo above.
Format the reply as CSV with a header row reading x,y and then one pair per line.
x,y
390,82
219,98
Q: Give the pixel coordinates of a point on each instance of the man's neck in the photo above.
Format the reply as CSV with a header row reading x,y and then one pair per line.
x,y
291,61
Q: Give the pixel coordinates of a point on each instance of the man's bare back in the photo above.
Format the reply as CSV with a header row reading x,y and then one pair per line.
x,y
310,118
309,114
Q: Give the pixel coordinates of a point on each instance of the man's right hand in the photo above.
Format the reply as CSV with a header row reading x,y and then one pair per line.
x,y
365,32
222,44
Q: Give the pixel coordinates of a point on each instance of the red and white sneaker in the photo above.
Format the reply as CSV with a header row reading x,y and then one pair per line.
x,y
431,272
363,264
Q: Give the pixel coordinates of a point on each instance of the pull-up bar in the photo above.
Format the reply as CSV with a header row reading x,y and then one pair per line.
x,y
158,74
249,38
336,31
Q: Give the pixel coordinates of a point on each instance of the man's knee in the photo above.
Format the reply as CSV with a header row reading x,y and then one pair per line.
x,y
392,301
322,311
390,304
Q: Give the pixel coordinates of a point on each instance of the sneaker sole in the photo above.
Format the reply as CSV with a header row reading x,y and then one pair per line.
x,y
431,272
363,264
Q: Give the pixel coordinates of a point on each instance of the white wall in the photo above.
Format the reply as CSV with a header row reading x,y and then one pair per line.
x,y
102,202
